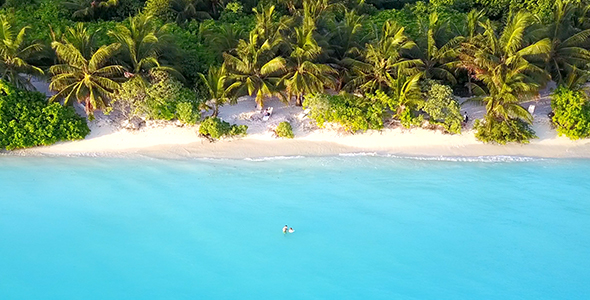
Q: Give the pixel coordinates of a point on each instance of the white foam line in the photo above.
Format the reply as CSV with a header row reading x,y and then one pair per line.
x,y
268,158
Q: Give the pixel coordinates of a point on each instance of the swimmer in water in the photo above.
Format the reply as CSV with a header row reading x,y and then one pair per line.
x,y
285,229
291,230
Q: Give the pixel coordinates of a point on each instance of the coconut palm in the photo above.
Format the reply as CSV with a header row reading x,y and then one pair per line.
x,y
267,27
15,51
383,61
89,9
345,40
255,68
305,76
470,29
291,5
436,49
226,37
406,95
347,35
567,42
143,41
186,10
220,92
87,79
501,62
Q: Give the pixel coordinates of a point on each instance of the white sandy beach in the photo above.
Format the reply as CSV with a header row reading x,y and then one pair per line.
x,y
166,139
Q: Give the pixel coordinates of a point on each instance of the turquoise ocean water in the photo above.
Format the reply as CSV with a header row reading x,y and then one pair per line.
x,y
365,228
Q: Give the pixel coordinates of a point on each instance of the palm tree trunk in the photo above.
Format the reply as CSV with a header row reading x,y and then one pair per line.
x,y
299,100
469,83
215,111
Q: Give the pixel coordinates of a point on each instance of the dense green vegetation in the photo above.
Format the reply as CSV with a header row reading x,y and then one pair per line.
x,y
357,63
27,120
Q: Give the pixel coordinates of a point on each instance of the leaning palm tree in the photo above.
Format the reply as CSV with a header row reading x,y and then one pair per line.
x,y
255,68
14,53
567,42
142,43
383,60
220,92
89,80
305,76
501,62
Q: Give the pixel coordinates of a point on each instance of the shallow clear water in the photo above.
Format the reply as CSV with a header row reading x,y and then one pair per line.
x,y
366,228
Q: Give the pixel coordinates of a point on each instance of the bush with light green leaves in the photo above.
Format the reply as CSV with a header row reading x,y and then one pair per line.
x,y
27,120
490,130
352,112
443,108
285,130
571,113
215,128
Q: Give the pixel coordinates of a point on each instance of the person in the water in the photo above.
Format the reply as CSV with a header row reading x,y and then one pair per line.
x,y
291,230
285,229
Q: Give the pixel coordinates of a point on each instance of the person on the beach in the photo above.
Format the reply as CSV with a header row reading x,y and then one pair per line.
x,y
465,117
291,230
285,229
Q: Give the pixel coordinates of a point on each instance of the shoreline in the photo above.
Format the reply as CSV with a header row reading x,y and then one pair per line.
x,y
259,148
168,140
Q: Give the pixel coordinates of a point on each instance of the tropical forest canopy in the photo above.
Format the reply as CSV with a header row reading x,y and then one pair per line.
x,y
351,62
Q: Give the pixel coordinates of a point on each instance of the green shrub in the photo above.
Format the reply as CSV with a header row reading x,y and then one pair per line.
x,y
285,130
26,120
443,108
491,130
165,99
216,128
186,114
408,116
352,112
571,113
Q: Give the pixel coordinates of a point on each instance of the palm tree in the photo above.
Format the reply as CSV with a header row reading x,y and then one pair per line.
x,y
436,50
567,43
143,41
219,91
383,61
88,79
291,5
89,9
471,28
255,67
14,53
186,10
406,96
347,35
226,37
267,27
315,11
501,63
305,76
345,40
